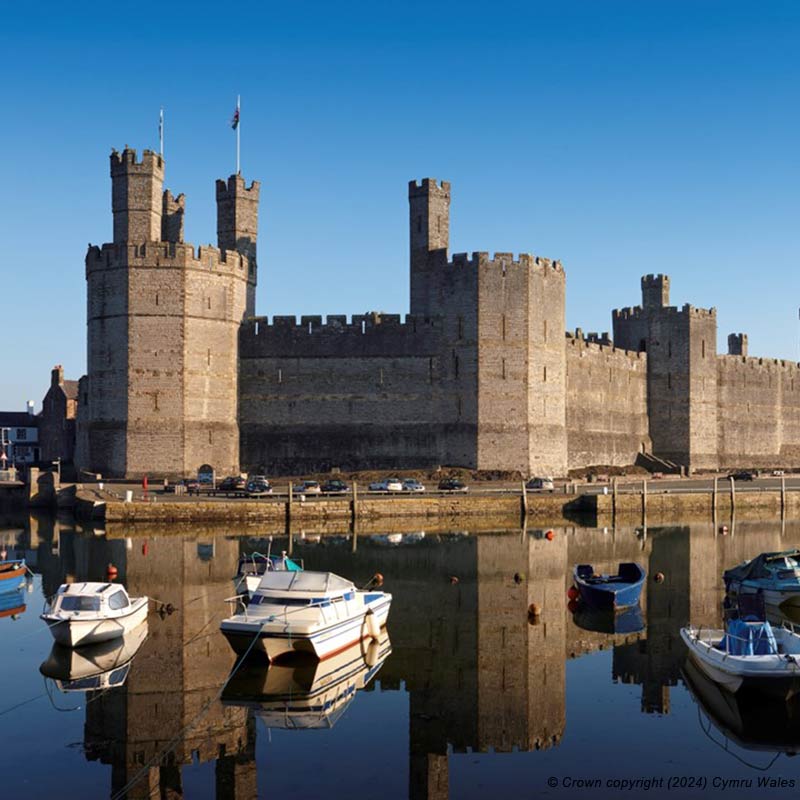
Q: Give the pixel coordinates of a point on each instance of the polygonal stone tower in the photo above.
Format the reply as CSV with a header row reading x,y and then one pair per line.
x,y
163,324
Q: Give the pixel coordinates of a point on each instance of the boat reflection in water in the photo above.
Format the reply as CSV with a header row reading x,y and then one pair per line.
x,y
630,620
12,604
92,667
306,693
751,720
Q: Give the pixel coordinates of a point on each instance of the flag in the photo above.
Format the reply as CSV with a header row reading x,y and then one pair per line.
x,y
161,126
235,120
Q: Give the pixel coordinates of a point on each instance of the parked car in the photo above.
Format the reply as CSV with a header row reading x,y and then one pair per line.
x,y
334,486
232,485
778,472
387,485
452,485
307,487
742,475
540,484
258,488
192,485
412,485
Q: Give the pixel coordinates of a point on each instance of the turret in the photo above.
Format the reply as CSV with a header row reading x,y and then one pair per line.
x,y
173,211
429,229
136,199
737,344
655,291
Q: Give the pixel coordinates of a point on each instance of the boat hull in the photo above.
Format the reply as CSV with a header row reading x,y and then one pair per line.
x,y
277,641
13,579
611,595
77,632
772,675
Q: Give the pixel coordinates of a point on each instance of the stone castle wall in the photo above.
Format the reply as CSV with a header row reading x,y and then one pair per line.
x,y
606,403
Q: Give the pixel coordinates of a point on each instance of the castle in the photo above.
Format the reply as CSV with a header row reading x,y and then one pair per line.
x,y
480,374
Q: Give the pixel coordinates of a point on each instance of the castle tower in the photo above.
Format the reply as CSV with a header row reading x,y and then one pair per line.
x,y
136,200
163,323
681,347
429,228
237,225
737,344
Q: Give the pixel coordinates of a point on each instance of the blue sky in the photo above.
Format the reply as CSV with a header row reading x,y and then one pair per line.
x,y
623,137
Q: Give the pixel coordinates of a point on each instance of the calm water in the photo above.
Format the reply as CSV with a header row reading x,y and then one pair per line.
x,y
465,698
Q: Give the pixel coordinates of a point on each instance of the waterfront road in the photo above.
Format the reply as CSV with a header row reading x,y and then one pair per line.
x,y
625,484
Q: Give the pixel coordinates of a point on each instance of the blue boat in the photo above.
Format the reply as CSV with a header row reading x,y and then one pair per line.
x,y
773,576
12,575
627,621
610,591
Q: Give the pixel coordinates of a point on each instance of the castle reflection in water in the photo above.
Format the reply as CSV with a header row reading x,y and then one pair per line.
x,y
478,674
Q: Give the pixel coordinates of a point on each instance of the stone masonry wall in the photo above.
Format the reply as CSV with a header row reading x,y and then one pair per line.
x,y
371,392
759,412
606,404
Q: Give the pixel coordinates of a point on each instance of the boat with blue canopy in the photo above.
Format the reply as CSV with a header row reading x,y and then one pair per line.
x,y
610,592
746,654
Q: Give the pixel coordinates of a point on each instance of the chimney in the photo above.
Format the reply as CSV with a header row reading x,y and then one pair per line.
x,y
29,405
57,376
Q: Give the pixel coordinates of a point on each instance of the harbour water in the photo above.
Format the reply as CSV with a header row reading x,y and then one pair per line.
x,y
466,695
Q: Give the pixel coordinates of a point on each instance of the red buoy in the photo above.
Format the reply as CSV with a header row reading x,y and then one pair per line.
x,y
378,579
535,610
573,593
549,536
572,606
111,572
144,548
659,577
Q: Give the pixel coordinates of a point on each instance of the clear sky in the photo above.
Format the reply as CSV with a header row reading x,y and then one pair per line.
x,y
622,136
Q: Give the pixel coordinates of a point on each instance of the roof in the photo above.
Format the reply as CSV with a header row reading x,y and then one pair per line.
x,y
319,583
18,419
71,389
88,587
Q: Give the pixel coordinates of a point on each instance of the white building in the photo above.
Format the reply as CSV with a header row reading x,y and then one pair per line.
x,y
19,438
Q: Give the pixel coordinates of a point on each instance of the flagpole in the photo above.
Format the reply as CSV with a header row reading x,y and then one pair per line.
x,y
161,132
238,129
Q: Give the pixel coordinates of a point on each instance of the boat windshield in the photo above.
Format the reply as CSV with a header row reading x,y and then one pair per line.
x,y
80,603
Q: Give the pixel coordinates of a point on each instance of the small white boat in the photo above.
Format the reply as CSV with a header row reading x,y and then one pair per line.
x,y
88,613
98,666
316,613
747,654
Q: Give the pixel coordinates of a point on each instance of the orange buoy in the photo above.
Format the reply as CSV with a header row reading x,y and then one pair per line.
x,y
144,548
111,572
453,580
550,536
573,593
572,606
535,610
659,577
378,579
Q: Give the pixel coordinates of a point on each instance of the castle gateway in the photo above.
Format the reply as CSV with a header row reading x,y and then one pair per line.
x,y
480,374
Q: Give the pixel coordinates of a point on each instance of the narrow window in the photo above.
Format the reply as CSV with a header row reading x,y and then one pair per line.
x,y
430,370
545,330
455,364
208,357
461,327
669,380
280,376
419,224
504,327
669,349
544,374
156,298
209,438
642,345
209,301
459,406
438,224
155,401
703,348
381,376
504,369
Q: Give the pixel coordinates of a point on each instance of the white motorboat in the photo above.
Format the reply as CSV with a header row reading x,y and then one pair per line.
x,y
316,613
747,654
88,613
310,695
93,667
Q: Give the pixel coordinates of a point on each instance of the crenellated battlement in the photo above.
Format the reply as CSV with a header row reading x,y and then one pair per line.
x,y
755,363
126,161
166,255
375,334
639,313
504,261
595,343
427,186
236,186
